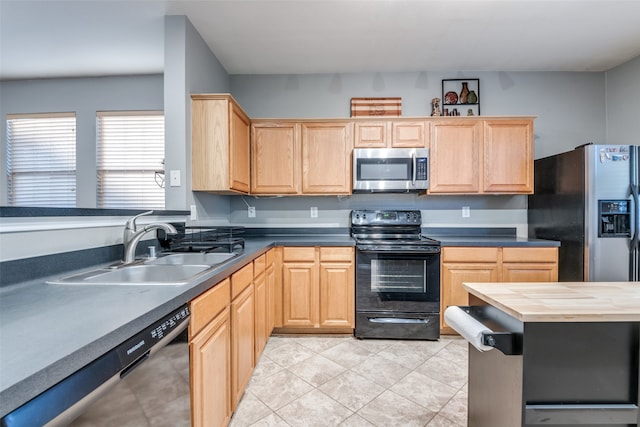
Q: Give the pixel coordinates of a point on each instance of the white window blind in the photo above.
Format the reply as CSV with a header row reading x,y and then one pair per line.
x,y
130,159
41,159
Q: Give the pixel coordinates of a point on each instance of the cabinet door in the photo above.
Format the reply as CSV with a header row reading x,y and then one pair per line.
x,y
210,365
239,173
326,158
275,164
508,156
219,145
299,294
337,293
409,134
270,276
529,272
372,134
261,327
455,154
242,343
454,274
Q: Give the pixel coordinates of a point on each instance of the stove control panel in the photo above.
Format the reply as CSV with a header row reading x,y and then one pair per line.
x,y
385,217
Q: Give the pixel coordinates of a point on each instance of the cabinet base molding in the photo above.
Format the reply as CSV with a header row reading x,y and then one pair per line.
x,y
316,331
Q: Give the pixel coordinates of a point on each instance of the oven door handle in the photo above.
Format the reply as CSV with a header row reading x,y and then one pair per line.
x,y
397,320
400,251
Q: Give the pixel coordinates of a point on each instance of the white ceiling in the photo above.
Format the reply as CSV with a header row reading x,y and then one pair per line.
x,y
64,38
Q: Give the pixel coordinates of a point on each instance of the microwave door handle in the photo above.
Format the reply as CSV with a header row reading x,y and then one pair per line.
x,y
415,166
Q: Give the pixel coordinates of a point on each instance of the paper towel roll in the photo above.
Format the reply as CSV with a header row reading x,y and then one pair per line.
x,y
467,326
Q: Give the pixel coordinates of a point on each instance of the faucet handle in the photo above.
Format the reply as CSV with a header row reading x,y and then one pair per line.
x,y
131,222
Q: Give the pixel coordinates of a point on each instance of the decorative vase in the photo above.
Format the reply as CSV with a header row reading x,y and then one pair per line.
x,y
472,98
464,93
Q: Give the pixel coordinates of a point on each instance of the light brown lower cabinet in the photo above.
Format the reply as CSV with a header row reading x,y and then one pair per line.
x,y
210,357
318,287
242,331
491,264
261,305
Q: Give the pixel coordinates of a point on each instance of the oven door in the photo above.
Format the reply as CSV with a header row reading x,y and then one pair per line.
x,y
403,281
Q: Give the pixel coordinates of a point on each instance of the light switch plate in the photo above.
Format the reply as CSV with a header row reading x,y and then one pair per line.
x,y
175,178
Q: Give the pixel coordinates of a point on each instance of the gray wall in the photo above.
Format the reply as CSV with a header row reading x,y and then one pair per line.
x,y
570,110
190,67
623,103
570,106
84,96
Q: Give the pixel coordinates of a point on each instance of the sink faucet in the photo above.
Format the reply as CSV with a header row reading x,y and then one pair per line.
x,y
132,235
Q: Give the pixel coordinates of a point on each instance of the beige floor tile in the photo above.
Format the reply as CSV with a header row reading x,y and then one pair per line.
x,y
447,371
317,370
288,354
381,370
407,355
440,421
456,409
320,343
266,367
424,391
347,354
117,408
174,413
314,409
279,389
390,409
249,411
356,420
374,346
352,390
271,420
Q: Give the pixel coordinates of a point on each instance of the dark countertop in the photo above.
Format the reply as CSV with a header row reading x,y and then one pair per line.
x,y
47,332
506,241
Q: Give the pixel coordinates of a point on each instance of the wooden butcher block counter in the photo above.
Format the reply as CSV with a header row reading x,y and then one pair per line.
x,y
563,302
574,358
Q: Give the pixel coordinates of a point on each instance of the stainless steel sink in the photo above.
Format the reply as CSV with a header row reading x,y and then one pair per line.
x,y
193,258
145,274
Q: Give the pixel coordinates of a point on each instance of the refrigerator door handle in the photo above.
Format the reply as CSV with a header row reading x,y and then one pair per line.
x,y
634,241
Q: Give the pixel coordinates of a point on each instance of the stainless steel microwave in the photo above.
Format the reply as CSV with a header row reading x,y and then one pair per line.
x,y
390,169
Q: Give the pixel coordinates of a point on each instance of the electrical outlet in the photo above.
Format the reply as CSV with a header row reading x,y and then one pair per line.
x,y
466,212
313,212
251,211
194,213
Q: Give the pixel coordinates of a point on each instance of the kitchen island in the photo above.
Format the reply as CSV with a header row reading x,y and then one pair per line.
x,y
570,354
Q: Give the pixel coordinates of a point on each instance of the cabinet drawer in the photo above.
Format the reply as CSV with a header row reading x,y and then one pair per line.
x,y
529,254
336,254
241,279
259,265
206,306
298,254
470,254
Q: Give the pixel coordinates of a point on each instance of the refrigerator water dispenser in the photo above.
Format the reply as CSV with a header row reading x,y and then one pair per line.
x,y
615,218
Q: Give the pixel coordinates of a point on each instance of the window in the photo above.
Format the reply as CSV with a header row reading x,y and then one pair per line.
x,y
41,160
130,159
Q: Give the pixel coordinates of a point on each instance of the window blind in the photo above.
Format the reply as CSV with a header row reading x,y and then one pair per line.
x,y
41,160
130,160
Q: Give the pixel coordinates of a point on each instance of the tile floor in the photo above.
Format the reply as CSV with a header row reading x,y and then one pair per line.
x,y
341,381
308,381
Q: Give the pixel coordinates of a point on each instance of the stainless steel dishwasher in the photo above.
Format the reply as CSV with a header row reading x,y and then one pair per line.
x,y
61,404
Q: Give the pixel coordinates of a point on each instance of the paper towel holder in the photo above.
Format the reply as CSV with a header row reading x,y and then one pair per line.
x,y
509,343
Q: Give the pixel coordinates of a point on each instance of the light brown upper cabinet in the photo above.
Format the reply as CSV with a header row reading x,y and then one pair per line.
x,y
301,157
481,156
456,150
391,134
326,158
508,156
275,149
220,132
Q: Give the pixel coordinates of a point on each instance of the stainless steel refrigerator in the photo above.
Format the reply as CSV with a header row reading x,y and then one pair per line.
x,y
588,200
